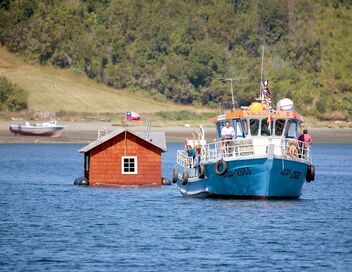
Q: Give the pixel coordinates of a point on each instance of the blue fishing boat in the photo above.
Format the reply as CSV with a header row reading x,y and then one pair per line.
x,y
262,159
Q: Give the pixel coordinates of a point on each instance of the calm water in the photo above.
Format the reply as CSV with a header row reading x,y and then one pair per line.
x,y
47,224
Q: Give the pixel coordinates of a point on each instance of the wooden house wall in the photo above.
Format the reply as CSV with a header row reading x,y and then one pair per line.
x,y
105,162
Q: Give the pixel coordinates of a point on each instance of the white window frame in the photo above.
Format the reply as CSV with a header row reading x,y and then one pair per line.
x,y
292,129
135,165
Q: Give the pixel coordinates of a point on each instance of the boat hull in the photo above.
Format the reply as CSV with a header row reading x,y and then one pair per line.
x,y
249,178
37,131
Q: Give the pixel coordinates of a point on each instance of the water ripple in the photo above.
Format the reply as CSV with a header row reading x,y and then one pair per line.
x,y
47,224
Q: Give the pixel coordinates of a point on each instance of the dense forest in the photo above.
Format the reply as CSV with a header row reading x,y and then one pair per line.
x,y
180,49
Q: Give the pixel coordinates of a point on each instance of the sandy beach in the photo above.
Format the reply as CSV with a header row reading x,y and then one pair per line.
x,y
85,132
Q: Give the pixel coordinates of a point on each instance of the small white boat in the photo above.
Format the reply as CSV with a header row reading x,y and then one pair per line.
x,y
50,128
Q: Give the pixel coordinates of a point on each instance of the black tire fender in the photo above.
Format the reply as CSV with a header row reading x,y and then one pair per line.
x,y
310,176
174,175
221,170
201,171
185,176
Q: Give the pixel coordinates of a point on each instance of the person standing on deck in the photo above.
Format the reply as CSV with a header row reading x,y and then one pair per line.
x,y
191,154
197,158
227,134
305,141
266,103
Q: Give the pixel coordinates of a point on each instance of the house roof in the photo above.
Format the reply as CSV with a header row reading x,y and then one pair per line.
x,y
155,138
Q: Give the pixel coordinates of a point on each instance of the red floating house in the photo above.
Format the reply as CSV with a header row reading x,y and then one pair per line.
x,y
122,157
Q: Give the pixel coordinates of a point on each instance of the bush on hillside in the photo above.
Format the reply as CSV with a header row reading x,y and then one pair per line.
x,y
12,97
184,115
334,116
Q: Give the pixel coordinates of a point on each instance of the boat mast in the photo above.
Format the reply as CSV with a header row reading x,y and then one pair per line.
x,y
232,94
261,75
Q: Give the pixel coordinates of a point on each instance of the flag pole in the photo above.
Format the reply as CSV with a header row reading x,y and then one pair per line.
x,y
125,135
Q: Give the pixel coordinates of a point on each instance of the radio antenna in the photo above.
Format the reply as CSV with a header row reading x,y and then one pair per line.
x,y
232,79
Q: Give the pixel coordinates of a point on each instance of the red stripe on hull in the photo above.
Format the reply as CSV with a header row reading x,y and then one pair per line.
x,y
38,133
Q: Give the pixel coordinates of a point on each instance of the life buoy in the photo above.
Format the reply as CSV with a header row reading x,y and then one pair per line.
x,y
185,176
220,167
310,173
174,175
201,171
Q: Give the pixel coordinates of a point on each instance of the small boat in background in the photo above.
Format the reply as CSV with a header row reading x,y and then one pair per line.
x,y
50,128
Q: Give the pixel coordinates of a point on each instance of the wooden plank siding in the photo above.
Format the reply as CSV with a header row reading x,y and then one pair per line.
x,y
106,168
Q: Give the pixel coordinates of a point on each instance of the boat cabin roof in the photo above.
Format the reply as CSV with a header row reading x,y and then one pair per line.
x,y
239,114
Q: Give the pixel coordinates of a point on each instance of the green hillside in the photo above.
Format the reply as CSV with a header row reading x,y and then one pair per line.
x,y
179,49
52,90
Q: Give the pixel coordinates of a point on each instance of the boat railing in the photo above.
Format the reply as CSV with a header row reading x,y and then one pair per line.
x,y
230,149
245,148
184,160
187,162
294,149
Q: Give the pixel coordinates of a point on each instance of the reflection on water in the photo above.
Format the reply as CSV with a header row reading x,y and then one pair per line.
x,y
46,223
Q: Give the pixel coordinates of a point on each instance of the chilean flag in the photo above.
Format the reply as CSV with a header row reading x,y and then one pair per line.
x,y
130,115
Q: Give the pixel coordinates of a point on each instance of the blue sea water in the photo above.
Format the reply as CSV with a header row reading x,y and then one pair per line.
x,y
48,224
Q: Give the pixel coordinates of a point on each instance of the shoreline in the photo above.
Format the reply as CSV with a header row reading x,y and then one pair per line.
x,y
86,132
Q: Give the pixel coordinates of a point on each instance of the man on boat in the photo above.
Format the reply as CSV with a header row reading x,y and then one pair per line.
x,y
227,134
191,154
305,141
266,103
197,158
266,91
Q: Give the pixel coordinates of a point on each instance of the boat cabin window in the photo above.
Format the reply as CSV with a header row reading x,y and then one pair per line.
x,y
265,128
221,124
279,127
236,124
238,129
262,125
292,130
254,126
245,126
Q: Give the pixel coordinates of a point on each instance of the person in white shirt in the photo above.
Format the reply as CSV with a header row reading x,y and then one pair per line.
x,y
227,134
